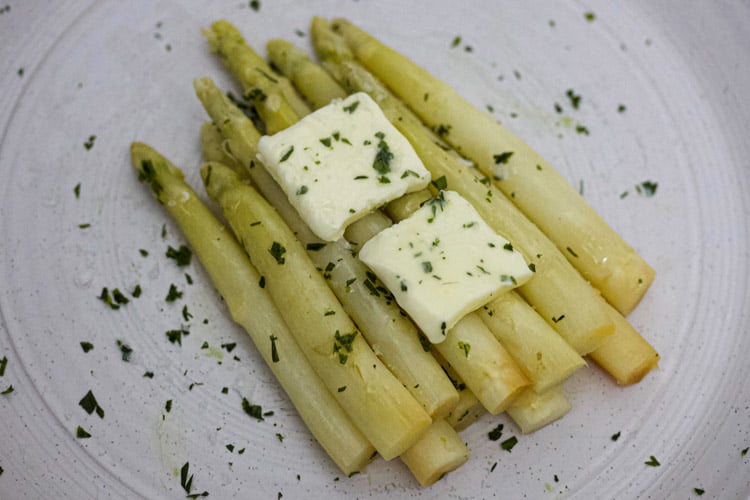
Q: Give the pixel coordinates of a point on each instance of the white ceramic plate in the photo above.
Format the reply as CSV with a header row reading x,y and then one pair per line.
x,y
122,71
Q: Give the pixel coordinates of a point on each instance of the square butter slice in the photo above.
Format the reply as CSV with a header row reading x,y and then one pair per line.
x,y
341,162
443,262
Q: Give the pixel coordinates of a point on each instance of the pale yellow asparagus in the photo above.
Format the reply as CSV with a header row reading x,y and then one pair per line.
x,y
250,306
270,93
566,301
533,185
626,355
393,336
438,452
531,410
313,82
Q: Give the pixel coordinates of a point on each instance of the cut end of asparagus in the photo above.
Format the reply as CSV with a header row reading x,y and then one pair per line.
x,y
439,451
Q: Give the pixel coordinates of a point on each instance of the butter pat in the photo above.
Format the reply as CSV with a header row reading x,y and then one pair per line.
x,y
444,262
341,162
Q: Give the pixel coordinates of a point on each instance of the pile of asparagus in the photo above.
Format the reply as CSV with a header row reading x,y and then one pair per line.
x,y
308,304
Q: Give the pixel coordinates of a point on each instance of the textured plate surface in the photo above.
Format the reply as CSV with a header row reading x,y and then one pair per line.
x,y
107,73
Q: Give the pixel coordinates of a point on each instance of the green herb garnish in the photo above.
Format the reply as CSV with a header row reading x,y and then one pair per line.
x,y
255,411
496,433
274,352
509,443
343,344
181,256
90,405
173,293
277,250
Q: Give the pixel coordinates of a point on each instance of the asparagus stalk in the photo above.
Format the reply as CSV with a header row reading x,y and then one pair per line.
x,y
250,306
377,402
626,355
533,185
394,336
440,451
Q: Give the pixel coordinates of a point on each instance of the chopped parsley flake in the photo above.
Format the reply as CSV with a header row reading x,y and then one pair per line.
x,y
441,183
286,155
255,5
314,247
168,406
8,390
502,158
427,266
175,336
181,256
125,350
255,411
615,436
77,190
186,479
4,363
274,352
81,433
115,300
465,347
277,250
571,252
186,314
382,162
496,433
509,443
173,293
147,173
589,16
343,344
646,188
352,107
229,347
89,143
137,291
90,405
652,462
558,318
699,491
575,99
456,41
